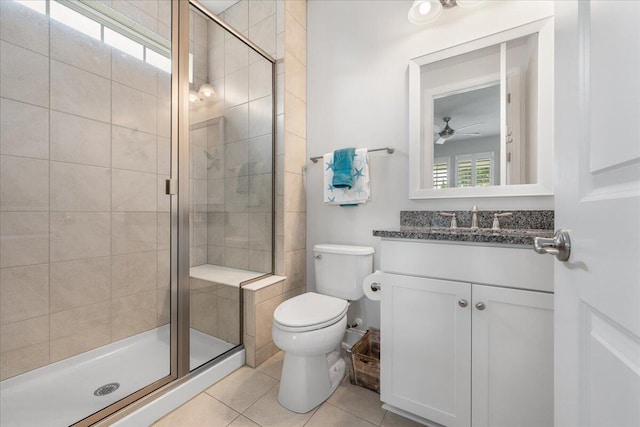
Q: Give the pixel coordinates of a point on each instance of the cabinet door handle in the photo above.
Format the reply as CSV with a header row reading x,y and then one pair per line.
x,y
480,306
463,303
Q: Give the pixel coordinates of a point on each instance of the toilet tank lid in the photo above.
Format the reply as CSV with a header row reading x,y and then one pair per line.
x,y
343,249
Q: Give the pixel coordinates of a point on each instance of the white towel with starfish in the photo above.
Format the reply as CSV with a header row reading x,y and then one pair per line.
x,y
361,190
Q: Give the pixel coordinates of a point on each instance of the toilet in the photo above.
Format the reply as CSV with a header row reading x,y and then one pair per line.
x,y
309,327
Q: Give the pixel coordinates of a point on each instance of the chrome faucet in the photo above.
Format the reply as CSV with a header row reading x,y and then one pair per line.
x,y
454,221
474,217
496,221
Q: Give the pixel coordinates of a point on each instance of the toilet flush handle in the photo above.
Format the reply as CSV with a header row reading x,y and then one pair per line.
x,y
318,256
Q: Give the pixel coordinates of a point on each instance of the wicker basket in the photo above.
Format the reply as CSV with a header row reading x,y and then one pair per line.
x,y
365,359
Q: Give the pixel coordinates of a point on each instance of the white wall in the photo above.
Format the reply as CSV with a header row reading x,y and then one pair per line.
x,y
357,86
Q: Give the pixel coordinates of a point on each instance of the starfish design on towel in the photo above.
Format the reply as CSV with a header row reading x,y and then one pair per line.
x,y
330,188
330,165
331,199
359,190
358,173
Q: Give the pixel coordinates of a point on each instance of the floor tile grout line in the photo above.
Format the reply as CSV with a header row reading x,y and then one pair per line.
x,y
351,413
277,384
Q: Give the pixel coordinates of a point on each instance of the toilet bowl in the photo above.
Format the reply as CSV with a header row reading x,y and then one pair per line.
x,y
309,327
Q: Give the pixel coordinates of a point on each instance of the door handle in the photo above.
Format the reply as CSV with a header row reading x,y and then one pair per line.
x,y
559,245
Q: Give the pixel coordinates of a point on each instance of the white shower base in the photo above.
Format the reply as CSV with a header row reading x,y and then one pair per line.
x,y
61,393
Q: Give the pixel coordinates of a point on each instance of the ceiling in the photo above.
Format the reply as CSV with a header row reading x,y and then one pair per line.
x,y
218,6
467,108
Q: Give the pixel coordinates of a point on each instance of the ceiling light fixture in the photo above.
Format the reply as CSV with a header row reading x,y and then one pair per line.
x,y
193,96
425,11
205,93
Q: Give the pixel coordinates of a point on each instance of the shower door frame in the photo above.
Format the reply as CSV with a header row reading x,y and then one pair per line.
x,y
179,75
180,278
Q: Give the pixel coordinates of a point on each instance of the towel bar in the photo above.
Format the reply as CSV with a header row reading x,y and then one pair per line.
x,y
389,150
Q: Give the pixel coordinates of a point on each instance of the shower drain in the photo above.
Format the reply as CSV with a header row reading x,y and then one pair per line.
x,y
106,389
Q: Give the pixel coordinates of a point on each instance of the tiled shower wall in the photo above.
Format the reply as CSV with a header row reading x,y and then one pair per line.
x,y
109,250
84,224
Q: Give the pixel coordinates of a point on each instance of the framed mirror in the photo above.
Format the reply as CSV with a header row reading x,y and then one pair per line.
x,y
481,117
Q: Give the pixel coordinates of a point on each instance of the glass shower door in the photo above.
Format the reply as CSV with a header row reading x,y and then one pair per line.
x,y
231,116
85,249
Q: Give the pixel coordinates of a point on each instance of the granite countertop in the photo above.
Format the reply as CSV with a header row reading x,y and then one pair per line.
x,y
523,237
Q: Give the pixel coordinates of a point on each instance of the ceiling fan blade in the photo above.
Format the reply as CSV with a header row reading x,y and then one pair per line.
x,y
436,128
468,126
468,134
441,141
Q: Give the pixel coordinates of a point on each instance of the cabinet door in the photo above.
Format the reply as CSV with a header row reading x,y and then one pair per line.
x,y
426,348
512,357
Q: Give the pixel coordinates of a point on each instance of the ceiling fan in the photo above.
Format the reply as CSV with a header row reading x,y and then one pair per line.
x,y
448,132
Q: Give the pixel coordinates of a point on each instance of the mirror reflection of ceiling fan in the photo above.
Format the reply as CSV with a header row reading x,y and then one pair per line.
x,y
447,132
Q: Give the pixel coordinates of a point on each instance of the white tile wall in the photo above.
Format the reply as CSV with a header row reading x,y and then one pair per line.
x,y
80,329
134,73
79,50
79,235
260,115
237,87
133,108
236,230
24,129
24,27
24,238
133,232
25,293
236,55
25,184
263,34
79,188
24,75
79,283
79,92
135,150
238,16
133,273
260,84
261,10
237,124
134,191
75,139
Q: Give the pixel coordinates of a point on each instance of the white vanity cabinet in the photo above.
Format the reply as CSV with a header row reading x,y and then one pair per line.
x,y
459,353
425,348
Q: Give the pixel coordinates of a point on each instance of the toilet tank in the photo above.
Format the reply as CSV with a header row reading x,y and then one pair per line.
x,y
340,269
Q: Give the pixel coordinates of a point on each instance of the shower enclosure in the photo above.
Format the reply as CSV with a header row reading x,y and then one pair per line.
x,y
136,197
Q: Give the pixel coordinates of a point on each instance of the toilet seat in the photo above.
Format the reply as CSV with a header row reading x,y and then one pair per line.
x,y
309,311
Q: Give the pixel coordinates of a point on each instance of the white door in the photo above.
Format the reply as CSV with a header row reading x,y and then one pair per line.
x,y
597,188
426,348
512,364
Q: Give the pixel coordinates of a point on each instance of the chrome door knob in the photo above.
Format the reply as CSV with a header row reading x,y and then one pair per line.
x,y
480,306
463,303
559,245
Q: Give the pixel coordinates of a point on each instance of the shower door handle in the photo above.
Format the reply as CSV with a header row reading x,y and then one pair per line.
x,y
171,187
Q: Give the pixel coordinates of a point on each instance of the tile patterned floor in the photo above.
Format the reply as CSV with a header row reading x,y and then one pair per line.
x,y
249,397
